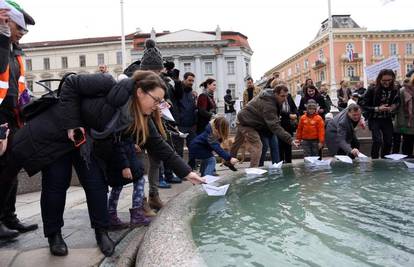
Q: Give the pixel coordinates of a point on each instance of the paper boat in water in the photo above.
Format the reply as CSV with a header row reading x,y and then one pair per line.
x,y
255,171
409,164
395,156
345,159
212,190
311,159
323,162
211,179
276,165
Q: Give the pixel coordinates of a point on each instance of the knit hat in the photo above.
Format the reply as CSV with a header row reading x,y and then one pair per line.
x,y
312,104
152,58
27,18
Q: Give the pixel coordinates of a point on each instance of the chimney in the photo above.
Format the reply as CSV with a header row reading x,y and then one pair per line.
x,y
153,34
218,33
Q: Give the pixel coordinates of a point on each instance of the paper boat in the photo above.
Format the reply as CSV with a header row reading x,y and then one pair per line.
x,y
409,164
395,156
311,159
276,165
212,190
255,171
345,159
211,179
324,162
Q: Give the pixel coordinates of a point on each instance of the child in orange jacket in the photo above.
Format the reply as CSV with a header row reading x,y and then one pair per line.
x,y
311,130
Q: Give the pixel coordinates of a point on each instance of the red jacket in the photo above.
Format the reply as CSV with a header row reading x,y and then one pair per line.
x,y
311,127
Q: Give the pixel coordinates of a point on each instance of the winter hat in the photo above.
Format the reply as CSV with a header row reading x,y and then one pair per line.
x,y
311,104
27,18
152,58
132,68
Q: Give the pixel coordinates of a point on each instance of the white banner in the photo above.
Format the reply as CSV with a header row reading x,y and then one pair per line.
x,y
390,63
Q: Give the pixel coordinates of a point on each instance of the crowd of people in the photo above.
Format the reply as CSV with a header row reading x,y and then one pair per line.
x,y
105,128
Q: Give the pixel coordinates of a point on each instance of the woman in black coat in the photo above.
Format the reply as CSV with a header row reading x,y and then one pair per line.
x,y
288,120
91,103
311,92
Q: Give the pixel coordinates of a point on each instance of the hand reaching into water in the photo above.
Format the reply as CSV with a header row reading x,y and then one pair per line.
x,y
194,178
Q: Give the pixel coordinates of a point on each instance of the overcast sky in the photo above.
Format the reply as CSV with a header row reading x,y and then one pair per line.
x,y
276,29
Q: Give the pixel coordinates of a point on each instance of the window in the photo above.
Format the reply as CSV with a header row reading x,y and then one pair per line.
x,y
46,63
408,48
297,68
322,76
306,64
64,62
119,58
289,73
28,64
230,67
48,84
247,69
29,85
187,67
349,47
377,49
82,61
320,55
208,68
101,59
409,67
350,71
232,87
393,49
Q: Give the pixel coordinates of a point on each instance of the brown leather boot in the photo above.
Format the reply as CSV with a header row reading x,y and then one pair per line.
x,y
148,212
155,202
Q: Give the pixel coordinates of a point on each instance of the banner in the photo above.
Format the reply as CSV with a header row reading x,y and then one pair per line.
x,y
390,63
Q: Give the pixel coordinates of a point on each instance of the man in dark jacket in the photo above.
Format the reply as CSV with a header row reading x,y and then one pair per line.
x,y
261,114
229,110
13,25
184,110
340,135
379,103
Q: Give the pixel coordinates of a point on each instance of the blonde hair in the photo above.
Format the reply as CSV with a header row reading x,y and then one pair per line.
x,y
277,82
146,81
220,127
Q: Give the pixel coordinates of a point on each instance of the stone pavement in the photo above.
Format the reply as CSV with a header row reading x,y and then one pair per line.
x,y
31,249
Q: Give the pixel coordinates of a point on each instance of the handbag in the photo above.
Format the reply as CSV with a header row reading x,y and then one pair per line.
x,y
46,101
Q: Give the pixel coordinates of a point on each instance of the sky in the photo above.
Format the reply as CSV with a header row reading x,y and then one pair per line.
x,y
275,29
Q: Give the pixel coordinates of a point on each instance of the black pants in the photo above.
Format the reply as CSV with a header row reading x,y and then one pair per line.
x,y
382,131
179,142
408,145
8,170
55,182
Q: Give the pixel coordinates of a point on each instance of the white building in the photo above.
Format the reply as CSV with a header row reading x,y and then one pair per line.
x,y
224,56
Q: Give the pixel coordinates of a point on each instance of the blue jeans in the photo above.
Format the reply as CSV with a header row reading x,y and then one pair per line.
x,y
272,143
208,166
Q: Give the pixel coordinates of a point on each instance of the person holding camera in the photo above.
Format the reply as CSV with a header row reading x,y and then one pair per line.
x,y
13,26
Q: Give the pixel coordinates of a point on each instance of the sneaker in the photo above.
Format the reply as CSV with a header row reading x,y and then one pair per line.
x,y
163,184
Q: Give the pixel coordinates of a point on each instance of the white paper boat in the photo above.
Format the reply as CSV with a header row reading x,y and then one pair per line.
x,y
324,162
345,159
409,164
395,156
276,165
212,190
256,171
211,179
182,135
311,159
166,113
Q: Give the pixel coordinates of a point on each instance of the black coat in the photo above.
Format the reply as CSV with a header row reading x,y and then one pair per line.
x,y
318,99
89,101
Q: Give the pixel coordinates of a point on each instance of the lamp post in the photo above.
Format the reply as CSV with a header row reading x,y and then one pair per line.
x,y
331,54
123,52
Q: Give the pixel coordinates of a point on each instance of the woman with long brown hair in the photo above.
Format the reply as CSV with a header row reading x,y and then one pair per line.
x,y
206,104
89,112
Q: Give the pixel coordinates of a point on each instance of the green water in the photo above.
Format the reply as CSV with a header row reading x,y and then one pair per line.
x,y
349,215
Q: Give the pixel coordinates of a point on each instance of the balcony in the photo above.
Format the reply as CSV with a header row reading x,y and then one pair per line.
x,y
354,79
357,57
319,64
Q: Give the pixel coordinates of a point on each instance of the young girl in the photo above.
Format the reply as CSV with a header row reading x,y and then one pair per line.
x,y
208,141
311,130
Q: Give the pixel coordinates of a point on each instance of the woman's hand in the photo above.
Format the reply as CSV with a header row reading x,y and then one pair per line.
x,y
127,174
233,161
4,16
194,178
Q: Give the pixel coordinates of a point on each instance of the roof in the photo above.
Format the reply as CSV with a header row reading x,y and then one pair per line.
x,y
338,22
76,41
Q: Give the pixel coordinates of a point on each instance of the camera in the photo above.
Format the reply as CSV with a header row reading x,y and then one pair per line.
x,y
79,137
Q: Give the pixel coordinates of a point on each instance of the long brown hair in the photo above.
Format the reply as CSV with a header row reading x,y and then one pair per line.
x,y
147,81
156,116
220,127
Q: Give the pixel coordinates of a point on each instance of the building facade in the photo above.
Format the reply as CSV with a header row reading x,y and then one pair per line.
x,y
313,61
224,56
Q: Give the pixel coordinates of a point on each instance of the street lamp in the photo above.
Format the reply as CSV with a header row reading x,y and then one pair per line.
x,y
331,54
123,52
